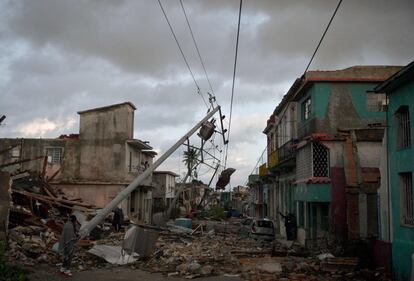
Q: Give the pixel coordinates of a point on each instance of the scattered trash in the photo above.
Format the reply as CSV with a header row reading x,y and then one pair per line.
x,y
113,254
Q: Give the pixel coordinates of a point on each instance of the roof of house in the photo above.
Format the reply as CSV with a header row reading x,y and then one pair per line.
x,y
359,73
166,172
139,144
109,107
398,79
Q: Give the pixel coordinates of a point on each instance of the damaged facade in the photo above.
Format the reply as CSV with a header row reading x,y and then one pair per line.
x,y
193,195
164,190
323,155
398,171
93,165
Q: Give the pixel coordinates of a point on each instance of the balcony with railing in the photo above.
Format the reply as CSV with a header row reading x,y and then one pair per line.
x,y
263,170
253,179
286,151
307,127
272,159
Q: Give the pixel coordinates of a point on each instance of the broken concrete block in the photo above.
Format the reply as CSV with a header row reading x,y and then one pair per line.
x,y
270,267
324,256
194,266
206,270
182,268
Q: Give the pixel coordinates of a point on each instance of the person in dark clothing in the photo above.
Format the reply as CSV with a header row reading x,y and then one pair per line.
x,y
290,225
118,219
67,244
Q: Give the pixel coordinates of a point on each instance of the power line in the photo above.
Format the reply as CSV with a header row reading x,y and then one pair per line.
x,y
323,36
234,78
307,67
182,53
257,163
196,46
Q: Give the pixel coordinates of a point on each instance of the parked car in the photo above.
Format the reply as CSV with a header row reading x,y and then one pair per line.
x,y
258,228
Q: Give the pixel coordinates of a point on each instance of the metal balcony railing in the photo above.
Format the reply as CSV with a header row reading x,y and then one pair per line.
x,y
286,151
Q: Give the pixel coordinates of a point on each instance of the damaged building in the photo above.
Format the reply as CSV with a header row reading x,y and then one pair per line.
x,y
164,190
323,155
397,193
93,165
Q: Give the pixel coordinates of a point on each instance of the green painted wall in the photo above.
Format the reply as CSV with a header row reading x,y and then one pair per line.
x,y
359,97
320,92
320,96
313,192
400,161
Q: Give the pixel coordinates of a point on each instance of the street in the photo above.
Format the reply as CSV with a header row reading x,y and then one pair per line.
x,y
48,273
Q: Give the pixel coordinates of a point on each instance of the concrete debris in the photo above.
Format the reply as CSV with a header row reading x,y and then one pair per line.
x,y
140,240
113,254
37,215
270,267
324,256
204,248
181,254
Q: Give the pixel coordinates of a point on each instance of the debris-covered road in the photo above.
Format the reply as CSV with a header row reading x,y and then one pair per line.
x,y
209,250
109,274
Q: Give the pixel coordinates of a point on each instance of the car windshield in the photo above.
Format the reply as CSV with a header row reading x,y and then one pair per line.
x,y
267,224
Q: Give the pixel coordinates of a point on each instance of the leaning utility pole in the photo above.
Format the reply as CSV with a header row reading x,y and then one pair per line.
x,y
87,228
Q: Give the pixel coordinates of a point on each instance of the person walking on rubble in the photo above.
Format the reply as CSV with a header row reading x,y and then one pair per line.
x,y
290,226
118,219
67,244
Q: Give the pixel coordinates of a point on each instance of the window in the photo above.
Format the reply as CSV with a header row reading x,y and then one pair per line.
x,y
407,200
54,155
15,152
376,102
312,161
300,211
320,160
132,201
307,108
402,119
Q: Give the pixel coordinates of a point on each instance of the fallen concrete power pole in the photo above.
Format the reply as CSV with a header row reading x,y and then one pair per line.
x,y
87,228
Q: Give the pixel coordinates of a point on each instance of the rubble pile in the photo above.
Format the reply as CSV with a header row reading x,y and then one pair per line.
x,y
299,268
190,256
39,211
37,215
31,244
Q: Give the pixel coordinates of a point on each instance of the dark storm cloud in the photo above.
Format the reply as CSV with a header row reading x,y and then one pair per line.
x,y
59,57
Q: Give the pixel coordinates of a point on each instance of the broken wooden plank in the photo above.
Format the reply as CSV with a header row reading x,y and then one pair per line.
x,y
20,161
53,176
44,167
20,175
195,230
9,148
57,201
49,190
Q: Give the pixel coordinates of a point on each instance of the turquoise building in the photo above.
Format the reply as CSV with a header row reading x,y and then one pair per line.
x,y
340,127
399,89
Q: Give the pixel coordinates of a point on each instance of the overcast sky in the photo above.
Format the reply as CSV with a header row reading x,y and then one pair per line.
x,y
60,57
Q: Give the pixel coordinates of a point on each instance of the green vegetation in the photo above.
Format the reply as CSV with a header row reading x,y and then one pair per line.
x,y
216,213
190,159
9,272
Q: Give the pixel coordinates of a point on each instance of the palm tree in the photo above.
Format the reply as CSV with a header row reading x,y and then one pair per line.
x,y
190,159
